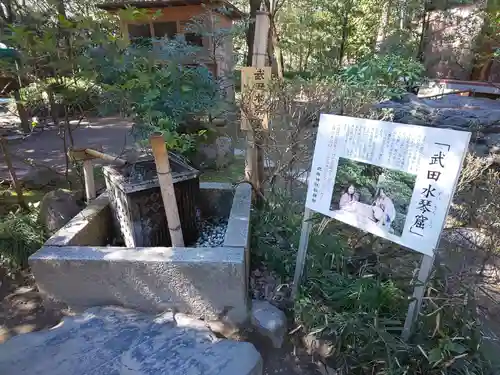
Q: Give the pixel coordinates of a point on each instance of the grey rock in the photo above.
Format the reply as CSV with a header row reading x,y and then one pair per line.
x,y
269,321
215,155
91,226
111,340
479,149
450,111
38,178
57,208
492,140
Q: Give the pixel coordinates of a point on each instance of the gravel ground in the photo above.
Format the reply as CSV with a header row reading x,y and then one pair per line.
x,y
212,232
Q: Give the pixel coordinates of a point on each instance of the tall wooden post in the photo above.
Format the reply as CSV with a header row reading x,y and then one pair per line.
x,y
254,166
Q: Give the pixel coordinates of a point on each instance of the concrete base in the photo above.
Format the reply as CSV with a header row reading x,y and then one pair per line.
x,y
112,340
209,283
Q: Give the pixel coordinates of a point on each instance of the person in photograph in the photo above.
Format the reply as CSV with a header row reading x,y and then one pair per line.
x,y
384,211
349,198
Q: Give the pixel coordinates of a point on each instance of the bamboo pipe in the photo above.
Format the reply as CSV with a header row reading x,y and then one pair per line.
x,y
167,188
103,156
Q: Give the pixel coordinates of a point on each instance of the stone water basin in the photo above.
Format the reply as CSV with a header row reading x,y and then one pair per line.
x,y
80,266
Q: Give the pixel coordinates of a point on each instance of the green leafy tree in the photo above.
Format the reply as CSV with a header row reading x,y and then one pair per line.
x,y
165,84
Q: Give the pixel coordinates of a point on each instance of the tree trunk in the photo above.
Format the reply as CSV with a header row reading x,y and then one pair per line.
x,y
54,111
345,35
274,50
308,54
403,9
384,23
12,172
282,61
423,36
6,13
254,7
21,110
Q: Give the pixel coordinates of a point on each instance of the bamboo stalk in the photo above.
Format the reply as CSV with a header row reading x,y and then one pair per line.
x,y
88,175
103,156
12,172
167,188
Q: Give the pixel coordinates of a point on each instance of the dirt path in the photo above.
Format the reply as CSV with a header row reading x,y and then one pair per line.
x,y
21,308
46,147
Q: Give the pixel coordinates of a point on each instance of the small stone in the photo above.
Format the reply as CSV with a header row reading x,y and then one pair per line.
x,y
24,328
212,233
269,321
23,289
323,348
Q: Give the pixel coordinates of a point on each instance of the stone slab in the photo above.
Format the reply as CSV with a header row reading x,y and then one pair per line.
x,y
238,228
216,199
209,283
269,321
238,225
115,341
92,226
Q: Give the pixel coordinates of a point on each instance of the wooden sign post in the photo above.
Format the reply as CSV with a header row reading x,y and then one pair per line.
x,y
254,164
254,85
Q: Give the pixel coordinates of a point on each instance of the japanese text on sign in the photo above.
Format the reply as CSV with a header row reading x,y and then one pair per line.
x,y
254,84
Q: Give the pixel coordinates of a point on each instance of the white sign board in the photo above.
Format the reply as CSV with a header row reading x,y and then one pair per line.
x,y
393,180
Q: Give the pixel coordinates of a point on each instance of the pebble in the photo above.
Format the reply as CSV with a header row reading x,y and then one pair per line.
x,y
212,233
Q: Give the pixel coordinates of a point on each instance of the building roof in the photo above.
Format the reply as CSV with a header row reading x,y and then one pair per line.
x,y
232,11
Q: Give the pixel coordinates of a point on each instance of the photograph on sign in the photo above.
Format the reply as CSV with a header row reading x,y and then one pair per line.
x,y
377,196
393,180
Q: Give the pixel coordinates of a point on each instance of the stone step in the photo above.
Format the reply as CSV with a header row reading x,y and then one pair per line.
x,y
113,340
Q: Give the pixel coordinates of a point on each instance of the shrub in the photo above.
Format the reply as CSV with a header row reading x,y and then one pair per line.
x,y
166,84
350,298
71,97
20,236
391,73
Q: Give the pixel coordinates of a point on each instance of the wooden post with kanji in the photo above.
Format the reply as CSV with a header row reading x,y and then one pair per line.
x,y
254,164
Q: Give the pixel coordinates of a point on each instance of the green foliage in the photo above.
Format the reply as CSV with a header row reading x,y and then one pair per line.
x,y
71,96
158,95
20,236
162,85
320,36
348,299
392,73
53,60
327,24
